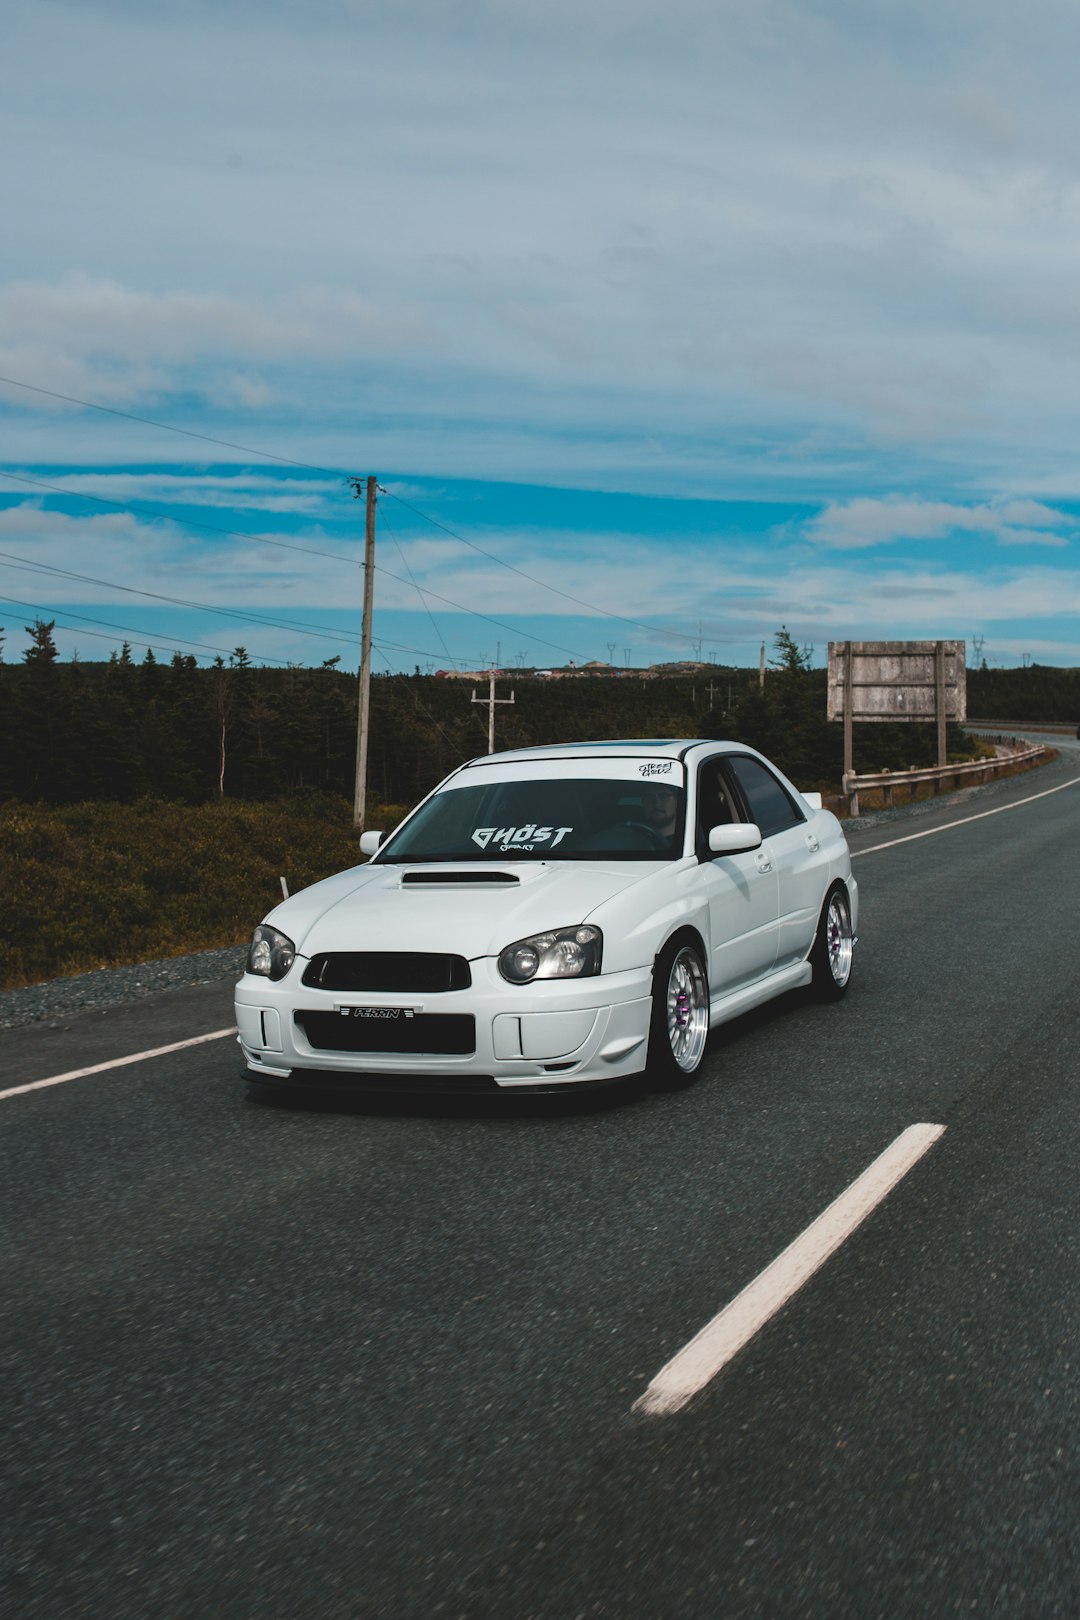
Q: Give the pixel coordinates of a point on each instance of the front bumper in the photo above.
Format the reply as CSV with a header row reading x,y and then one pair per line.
x,y
548,1034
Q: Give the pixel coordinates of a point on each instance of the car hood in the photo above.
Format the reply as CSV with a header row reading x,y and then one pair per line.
x,y
469,911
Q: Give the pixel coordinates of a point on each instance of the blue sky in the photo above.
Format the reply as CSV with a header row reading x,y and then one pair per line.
x,y
711,316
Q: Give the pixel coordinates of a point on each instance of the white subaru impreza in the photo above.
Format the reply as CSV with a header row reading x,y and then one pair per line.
x,y
555,917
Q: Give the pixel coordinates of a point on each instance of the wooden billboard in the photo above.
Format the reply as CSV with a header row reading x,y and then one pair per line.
x,y
890,681
897,680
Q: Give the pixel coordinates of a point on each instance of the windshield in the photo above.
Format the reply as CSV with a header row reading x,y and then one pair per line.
x,y
570,819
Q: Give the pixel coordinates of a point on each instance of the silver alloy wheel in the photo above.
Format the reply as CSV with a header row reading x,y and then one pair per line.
x,y
839,941
687,1010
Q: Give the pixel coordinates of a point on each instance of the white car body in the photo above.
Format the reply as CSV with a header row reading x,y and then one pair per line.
x,y
755,915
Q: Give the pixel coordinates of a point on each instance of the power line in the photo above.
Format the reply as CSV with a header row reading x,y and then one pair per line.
x,y
264,540
323,633
167,640
638,624
419,592
168,427
307,466
126,630
166,517
379,569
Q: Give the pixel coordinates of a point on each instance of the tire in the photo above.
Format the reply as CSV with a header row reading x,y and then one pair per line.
x,y
680,1016
832,957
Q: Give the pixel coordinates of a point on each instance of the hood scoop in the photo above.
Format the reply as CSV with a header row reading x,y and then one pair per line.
x,y
411,880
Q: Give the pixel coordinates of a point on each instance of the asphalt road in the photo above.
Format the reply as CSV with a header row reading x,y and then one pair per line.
x,y
267,1361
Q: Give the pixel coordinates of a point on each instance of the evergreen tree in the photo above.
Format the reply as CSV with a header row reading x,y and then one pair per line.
x,y
38,725
42,648
187,731
121,729
787,655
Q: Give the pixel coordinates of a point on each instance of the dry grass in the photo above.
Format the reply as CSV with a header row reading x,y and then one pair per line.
x,y
98,885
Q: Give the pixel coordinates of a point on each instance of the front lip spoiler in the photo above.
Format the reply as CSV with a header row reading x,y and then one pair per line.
x,y
323,1082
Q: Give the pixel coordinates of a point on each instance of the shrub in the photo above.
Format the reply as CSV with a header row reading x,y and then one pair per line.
x,y
100,884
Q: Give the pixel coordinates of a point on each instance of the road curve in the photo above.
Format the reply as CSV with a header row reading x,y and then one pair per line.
x,y
276,1361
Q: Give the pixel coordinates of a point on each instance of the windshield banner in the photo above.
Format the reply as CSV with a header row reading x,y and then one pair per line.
x,y
621,769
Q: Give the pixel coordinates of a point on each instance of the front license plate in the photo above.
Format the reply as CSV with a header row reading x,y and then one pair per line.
x,y
390,1014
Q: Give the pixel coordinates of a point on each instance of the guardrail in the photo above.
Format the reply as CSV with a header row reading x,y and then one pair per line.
x,y
976,770
1061,728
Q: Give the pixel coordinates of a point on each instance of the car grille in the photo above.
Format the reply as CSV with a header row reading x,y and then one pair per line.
x,y
403,972
422,1035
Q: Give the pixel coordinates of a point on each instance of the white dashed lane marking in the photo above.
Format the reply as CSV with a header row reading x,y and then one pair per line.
x,y
963,821
116,1063
698,1362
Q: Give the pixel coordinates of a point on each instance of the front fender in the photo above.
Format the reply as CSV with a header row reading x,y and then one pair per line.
x,y
636,926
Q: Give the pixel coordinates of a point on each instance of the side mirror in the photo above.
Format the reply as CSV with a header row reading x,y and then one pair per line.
x,y
734,838
369,842
813,800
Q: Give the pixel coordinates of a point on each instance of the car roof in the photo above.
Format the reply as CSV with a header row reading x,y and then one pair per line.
x,y
632,747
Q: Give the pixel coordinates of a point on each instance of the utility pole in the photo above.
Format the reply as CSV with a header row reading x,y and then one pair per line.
x,y
761,669
360,792
491,701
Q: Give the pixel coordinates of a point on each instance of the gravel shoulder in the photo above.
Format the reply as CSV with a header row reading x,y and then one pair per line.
x,y
116,987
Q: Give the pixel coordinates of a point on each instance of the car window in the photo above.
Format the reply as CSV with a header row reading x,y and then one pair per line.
x,y
573,818
771,805
714,802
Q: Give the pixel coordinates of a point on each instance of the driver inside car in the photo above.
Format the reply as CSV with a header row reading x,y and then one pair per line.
x,y
645,820
660,807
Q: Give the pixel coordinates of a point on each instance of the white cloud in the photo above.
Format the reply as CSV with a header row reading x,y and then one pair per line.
x,y
124,550
114,342
238,493
722,585
743,248
864,522
707,223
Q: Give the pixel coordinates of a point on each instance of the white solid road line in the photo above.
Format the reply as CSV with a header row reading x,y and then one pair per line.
x,y
116,1063
963,821
711,1349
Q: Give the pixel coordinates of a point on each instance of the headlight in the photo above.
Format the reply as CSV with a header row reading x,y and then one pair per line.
x,y
564,953
272,954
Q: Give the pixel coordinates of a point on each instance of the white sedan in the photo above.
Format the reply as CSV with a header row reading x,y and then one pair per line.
x,y
555,917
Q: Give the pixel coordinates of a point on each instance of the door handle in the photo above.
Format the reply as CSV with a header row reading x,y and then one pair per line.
x,y
764,864
812,843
